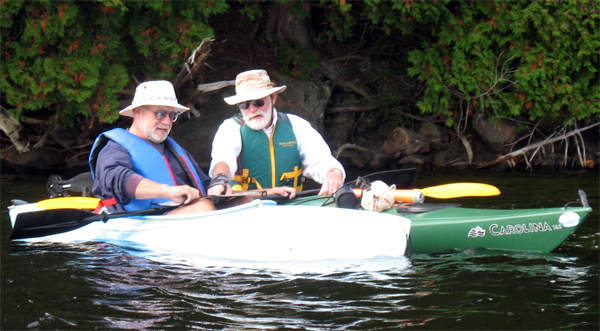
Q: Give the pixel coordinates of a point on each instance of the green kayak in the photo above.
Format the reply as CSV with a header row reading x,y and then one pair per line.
x,y
444,227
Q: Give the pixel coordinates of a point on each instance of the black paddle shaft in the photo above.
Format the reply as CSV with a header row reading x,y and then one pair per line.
x,y
403,178
54,221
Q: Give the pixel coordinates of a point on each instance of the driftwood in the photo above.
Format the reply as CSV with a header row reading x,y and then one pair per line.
x,y
352,108
509,157
364,108
209,87
193,63
11,127
468,149
188,83
349,146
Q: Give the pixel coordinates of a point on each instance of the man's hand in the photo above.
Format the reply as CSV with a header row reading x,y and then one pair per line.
x,y
219,184
332,183
285,191
182,194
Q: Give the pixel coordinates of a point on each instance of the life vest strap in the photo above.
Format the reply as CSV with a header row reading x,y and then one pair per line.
x,y
104,203
245,180
296,174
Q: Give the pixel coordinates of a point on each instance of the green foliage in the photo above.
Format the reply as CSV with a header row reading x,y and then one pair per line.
x,y
516,59
253,9
341,20
403,15
298,62
74,57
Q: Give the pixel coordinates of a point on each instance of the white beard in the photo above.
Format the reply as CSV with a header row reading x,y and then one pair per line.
x,y
258,123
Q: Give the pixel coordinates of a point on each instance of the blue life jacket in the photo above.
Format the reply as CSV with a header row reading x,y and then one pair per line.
x,y
141,151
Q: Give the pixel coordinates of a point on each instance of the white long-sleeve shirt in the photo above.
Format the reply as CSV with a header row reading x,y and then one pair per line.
x,y
315,154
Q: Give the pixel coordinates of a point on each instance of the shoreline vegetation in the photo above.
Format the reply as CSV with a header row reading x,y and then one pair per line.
x,y
503,85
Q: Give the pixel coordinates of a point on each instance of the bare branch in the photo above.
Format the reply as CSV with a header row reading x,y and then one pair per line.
x,y
352,108
349,146
537,146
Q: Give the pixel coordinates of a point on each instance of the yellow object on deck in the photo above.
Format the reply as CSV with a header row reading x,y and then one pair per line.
x,y
457,190
69,202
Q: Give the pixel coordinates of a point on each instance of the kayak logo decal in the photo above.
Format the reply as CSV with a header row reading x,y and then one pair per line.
x,y
476,232
502,230
569,219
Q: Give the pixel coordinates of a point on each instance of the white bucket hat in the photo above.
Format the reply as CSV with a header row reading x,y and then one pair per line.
x,y
252,85
154,93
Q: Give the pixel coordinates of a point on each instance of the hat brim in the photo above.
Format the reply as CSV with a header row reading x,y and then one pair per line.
x,y
128,111
253,95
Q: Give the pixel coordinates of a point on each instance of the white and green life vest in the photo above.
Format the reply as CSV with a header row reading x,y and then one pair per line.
x,y
267,162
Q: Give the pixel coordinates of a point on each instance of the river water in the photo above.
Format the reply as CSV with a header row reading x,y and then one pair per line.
x,y
102,286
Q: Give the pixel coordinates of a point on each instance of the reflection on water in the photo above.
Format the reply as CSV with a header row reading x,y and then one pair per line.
x,y
90,285
103,286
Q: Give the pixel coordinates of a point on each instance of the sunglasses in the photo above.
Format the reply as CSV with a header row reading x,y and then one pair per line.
x,y
160,114
246,104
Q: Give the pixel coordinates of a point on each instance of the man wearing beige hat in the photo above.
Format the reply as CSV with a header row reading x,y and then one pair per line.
x,y
142,167
262,148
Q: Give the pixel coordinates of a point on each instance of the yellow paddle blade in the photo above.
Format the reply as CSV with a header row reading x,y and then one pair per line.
x,y
69,202
457,190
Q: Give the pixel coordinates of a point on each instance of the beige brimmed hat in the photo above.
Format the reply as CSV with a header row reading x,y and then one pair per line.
x,y
253,85
154,93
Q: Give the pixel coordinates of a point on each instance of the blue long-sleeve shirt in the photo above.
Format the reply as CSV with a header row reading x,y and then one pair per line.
x,y
115,177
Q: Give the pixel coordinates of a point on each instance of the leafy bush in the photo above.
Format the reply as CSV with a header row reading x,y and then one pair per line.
x,y
514,59
518,59
75,57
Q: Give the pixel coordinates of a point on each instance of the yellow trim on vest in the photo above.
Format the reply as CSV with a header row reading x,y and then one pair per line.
x,y
272,153
295,175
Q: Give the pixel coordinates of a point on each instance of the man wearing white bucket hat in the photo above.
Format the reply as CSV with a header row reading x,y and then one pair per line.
x,y
262,148
142,166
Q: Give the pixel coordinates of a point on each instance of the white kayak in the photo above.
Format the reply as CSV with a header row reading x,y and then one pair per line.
x,y
257,231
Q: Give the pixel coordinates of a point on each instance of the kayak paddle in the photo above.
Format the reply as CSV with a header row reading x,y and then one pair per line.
x,y
63,214
446,191
459,190
403,178
91,202
54,221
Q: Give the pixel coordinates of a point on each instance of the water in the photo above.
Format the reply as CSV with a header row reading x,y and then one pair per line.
x,y
103,286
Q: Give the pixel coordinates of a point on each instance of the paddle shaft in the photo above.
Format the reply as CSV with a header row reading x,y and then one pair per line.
x,y
402,178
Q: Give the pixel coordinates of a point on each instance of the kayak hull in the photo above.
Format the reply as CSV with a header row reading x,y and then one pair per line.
x,y
311,228
257,231
536,230
456,228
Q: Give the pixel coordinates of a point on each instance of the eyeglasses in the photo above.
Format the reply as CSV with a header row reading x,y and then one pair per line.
x,y
160,114
246,104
